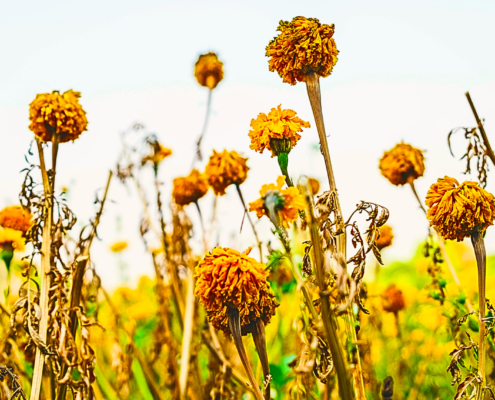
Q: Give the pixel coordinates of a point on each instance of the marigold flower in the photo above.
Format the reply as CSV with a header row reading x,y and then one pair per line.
x,y
290,201
278,124
55,113
456,210
303,46
402,164
157,155
117,247
208,70
189,189
16,217
11,239
224,169
393,300
227,278
386,237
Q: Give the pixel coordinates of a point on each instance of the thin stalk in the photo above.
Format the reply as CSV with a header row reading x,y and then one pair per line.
x,y
283,162
482,130
203,232
198,155
187,335
260,343
260,247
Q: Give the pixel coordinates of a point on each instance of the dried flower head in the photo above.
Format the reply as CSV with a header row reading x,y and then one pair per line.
x,y
303,46
278,124
289,201
456,210
16,217
11,239
157,154
227,278
55,113
386,237
208,70
224,169
402,164
117,247
393,300
189,189
314,186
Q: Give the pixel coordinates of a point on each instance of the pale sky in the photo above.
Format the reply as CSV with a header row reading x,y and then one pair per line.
x,y
402,73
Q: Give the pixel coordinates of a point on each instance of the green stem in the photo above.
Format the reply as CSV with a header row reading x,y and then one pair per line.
x,y
283,162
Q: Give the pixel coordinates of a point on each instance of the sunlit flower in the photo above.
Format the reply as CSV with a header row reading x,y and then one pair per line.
x,y
303,46
189,189
314,186
455,210
208,70
11,239
16,217
289,201
278,124
227,278
224,169
55,113
157,155
117,247
403,164
393,300
386,237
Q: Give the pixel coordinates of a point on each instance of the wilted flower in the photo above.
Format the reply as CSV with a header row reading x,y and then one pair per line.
x,y
117,247
393,300
403,164
55,113
17,218
227,278
287,201
278,124
11,239
456,210
157,155
314,186
386,237
224,169
208,70
189,189
303,46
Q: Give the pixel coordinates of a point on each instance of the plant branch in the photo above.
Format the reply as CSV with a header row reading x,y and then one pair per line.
x,y
187,335
482,130
260,247
198,155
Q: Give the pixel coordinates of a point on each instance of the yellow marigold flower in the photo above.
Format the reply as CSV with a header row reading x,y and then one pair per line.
x,y
303,46
314,186
11,238
52,113
290,201
393,300
117,247
224,169
208,70
455,210
16,217
402,164
158,154
278,124
189,189
386,237
227,278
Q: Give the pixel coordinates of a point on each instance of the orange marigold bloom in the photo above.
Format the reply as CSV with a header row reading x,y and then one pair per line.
x,y
402,164
189,189
278,124
224,169
393,300
386,237
455,210
227,278
16,217
62,114
303,46
290,201
11,238
208,70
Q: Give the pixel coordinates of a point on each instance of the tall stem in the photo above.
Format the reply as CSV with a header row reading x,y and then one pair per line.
x,y
283,162
482,130
260,247
260,343
187,337
198,155
203,231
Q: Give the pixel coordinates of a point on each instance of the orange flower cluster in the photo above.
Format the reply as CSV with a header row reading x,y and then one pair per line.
x,y
303,46
278,124
189,189
455,210
208,70
402,164
227,278
393,300
17,218
224,169
386,237
55,113
291,201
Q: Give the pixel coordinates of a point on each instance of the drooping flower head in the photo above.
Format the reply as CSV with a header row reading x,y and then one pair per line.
x,y
303,46
55,113
17,218
117,247
224,169
227,278
314,186
208,70
11,239
158,153
278,124
386,237
189,189
393,300
456,210
403,164
287,201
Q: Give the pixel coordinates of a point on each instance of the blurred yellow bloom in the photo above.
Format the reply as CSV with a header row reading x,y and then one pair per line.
x,y
17,218
403,164
158,154
62,114
303,46
11,239
224,169
118,247
227,278
208,70
393,300
386,237
455,210
189,189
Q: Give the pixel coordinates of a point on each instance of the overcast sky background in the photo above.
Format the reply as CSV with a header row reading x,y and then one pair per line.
x,y
402,73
